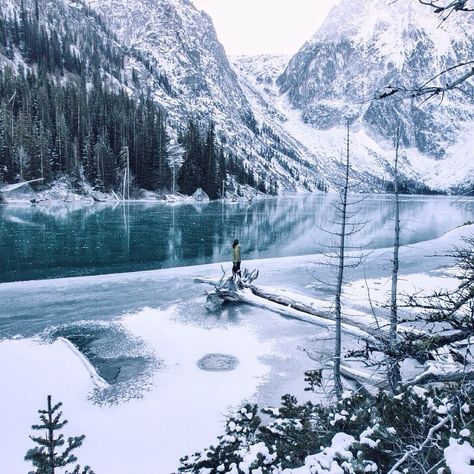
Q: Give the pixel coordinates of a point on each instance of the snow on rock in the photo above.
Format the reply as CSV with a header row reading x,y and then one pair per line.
x,y
202,84
362,47
459,457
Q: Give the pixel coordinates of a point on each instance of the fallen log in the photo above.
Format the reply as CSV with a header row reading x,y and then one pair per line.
x,y
362,377
429,376
235,289
376,333
241,290
379,333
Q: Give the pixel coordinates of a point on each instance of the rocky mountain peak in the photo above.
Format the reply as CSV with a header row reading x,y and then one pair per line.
x,y
365,46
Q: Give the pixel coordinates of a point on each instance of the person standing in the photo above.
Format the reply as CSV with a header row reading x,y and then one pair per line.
x,y
236,259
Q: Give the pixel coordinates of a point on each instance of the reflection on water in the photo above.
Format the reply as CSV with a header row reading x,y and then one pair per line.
x,y
57,240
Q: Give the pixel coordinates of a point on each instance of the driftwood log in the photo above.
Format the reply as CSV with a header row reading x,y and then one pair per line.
x,y
230,289
241,289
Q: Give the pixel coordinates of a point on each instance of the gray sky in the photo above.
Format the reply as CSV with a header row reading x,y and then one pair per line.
x,y
265,26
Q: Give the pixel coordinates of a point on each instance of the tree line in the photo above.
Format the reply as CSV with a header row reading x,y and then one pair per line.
x,y
60,115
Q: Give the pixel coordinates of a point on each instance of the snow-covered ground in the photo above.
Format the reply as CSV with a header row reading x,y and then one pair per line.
x,y
178,408
182,410
62,190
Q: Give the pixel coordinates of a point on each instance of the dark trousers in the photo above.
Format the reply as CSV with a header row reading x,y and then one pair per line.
x,y
236,268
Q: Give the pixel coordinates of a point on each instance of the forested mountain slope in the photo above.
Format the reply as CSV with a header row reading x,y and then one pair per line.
x,y
74,93
87,87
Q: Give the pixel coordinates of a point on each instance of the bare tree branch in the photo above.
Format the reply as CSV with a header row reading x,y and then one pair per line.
x,y
425,443
450,6
425,89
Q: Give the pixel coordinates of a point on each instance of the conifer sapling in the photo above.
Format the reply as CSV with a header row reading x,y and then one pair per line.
x,y
46,457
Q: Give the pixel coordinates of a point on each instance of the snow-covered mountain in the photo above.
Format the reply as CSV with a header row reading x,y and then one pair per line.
x,y
284,117
169,48
183,42
366,45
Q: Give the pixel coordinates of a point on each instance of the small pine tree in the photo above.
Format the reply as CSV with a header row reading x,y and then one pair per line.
x,y
226,456
46,457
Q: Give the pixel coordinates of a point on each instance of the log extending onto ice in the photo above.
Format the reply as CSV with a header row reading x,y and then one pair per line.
x,y
376,334
231,290
14,186
242,290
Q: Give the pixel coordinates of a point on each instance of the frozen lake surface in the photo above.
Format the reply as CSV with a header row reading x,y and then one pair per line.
x,y
144,334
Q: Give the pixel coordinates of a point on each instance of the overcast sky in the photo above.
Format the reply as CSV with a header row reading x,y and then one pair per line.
x,y
265,26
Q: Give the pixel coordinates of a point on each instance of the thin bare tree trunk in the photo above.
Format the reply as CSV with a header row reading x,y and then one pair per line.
x,y
394,377
340,276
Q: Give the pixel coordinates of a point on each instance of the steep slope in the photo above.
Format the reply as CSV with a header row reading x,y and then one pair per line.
x,y
366,45
110,60
183,42
69,104
258,76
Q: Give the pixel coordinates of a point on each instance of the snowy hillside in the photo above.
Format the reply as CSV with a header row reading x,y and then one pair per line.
x,y
280,119
184,44
161,50
258,76
364,46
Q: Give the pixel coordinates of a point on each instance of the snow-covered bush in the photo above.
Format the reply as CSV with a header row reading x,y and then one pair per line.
x,y
413,432
236,451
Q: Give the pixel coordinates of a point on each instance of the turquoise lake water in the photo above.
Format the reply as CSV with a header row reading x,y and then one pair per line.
x,y
73,239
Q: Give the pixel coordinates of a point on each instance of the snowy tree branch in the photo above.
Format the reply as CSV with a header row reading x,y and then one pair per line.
x,y
431,433
430,377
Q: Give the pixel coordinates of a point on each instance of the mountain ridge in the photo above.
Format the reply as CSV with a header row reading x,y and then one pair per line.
x,y
363,47
280,119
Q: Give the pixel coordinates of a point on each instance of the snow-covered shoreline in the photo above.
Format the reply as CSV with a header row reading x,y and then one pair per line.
x,y
183,408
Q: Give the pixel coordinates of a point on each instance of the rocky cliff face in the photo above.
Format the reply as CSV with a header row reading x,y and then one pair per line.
x,y
183,42
367,45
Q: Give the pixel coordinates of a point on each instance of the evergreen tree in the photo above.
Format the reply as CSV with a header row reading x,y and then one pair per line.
x,y
210,182
191,176
46,457
174,157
